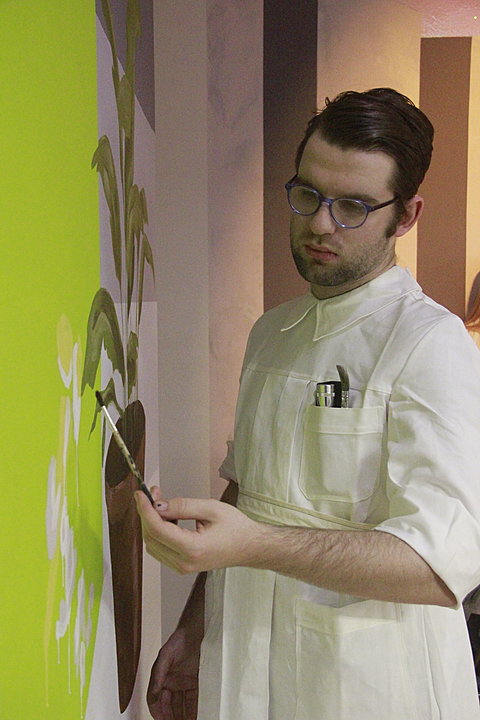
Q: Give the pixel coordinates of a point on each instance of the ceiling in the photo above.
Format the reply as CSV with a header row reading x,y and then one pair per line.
x,y
442,18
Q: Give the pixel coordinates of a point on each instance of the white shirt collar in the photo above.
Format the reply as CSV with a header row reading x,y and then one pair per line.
x,y
339,312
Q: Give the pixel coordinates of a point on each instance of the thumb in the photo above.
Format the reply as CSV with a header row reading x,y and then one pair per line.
x,y
190,509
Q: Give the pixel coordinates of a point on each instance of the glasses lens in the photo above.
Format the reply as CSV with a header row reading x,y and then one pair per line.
x,y
350,213
303,199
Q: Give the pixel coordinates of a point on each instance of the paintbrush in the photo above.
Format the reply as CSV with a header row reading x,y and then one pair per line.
x,y
345,385
123,449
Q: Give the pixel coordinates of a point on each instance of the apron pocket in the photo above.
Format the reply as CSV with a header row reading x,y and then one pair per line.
x,y
341,453
351,663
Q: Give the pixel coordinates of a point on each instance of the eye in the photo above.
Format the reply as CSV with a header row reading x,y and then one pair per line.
x,y
351,208
304,198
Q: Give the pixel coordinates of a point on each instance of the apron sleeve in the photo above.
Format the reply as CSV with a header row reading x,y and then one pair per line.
x,y
433,478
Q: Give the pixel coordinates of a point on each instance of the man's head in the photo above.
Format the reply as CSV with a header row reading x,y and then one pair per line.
x,y
367,151
380,119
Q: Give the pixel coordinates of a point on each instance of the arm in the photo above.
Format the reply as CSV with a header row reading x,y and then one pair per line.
x,y
173,687
369,564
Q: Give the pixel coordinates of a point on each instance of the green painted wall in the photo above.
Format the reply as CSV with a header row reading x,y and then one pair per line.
x,y
50,270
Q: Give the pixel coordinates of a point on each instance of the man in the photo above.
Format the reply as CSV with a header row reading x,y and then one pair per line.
x,y
335,585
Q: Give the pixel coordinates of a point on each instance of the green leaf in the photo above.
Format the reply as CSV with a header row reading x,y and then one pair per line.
x,y
132,361
109,397
104,163
143,200
102,330
145,255
107,13
125,105
135,223
134,28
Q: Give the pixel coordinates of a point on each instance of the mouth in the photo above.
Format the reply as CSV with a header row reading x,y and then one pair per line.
x,y
320,253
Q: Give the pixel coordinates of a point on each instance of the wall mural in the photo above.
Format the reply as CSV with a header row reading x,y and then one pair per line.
x,y
78,315
75,579
116,328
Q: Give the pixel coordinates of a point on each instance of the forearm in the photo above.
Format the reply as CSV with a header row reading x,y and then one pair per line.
x,y
368,564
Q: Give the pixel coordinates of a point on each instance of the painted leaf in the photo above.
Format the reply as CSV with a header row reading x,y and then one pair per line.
x,y
146,255
132,362
133,32
143,200
107,13
102,330
125,105
109,398
103,161
135,224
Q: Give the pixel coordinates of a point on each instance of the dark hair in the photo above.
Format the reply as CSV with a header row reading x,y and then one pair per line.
x,y
472,321
379,119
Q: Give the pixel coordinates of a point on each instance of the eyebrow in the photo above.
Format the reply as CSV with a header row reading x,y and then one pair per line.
x,y
352,196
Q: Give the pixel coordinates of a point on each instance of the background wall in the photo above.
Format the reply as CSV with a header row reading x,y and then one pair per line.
x,y
389,47
289,100
310,50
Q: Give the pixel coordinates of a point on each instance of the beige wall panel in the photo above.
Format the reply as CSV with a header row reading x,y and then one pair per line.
x,y
473,192
373,43
182,264
235,204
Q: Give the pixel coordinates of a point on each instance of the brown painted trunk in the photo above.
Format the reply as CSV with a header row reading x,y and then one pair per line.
x,y
126,547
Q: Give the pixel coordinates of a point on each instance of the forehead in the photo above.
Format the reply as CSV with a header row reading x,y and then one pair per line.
x,y
344,171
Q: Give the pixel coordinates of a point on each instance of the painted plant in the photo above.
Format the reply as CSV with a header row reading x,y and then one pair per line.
x,y
114,328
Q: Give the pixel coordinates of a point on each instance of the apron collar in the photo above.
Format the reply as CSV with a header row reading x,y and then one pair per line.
x,y
340,312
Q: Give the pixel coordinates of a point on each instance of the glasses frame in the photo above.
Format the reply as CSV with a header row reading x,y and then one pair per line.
x,y
329,201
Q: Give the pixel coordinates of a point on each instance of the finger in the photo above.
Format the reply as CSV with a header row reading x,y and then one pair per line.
x,y
157,529
177,705
144,507
155,492
191,704
180,681
166,710
158,709
192,509
157,679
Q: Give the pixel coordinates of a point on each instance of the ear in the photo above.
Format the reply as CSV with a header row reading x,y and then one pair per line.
x,y
413,210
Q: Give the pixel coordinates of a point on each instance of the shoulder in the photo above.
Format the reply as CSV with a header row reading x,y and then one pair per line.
x,y
419,316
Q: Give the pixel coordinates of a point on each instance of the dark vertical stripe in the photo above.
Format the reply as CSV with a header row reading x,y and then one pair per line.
x,y
444,97
290,90
144,66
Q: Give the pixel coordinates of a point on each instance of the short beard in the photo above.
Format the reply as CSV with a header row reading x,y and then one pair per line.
x,y
355,270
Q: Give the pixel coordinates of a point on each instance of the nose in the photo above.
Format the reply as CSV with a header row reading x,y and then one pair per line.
x,y
322,222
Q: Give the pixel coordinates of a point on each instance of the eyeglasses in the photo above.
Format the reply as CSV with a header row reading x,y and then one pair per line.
x,y
346,212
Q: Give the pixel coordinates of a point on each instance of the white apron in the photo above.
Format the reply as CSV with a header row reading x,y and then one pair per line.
x,y
399,459
272,653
